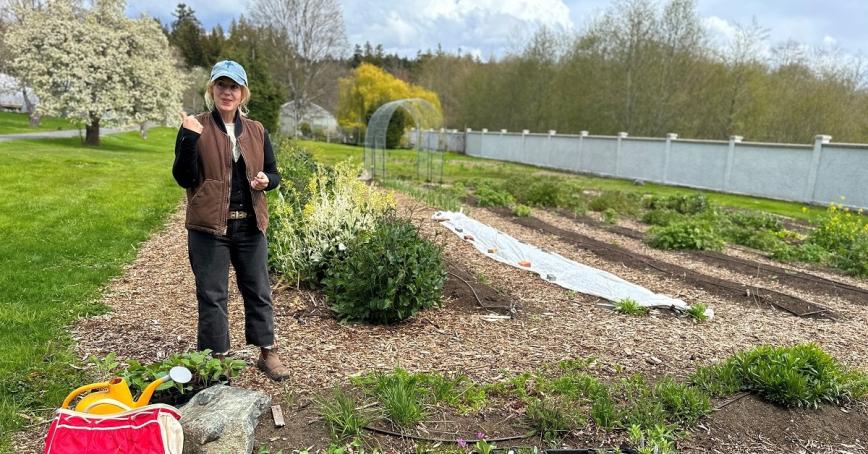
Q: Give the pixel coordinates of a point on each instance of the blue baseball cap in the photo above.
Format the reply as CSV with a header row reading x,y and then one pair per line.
x,y
230,69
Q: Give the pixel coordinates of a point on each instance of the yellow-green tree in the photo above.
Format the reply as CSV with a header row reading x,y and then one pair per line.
x,y
369,87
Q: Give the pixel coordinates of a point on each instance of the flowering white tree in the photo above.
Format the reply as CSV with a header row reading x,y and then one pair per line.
x,y
96,66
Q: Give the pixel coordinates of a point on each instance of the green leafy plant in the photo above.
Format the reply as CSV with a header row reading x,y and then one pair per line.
x,y
386,275
401,397
694,233
697,312
548,418
683,404
341,415
488,195
659,439
661,217
798,376
626,203
629,306
522,211
680,203
610,216
206,371
604,413
717,381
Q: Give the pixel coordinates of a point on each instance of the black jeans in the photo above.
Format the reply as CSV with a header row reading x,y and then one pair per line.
x,y
246,248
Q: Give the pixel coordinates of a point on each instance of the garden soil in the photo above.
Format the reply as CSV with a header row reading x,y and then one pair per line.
x,y
153,305
789,277
751,295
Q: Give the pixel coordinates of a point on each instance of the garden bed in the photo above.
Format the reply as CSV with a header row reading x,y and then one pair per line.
x,y
153,301
802,280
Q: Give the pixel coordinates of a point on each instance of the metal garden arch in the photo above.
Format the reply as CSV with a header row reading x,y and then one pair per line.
x,y
429,160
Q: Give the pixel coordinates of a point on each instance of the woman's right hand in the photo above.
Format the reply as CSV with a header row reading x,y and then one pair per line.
x,y
190,122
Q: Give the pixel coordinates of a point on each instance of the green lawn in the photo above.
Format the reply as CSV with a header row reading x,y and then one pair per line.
x,y
15,123
71,217
401,164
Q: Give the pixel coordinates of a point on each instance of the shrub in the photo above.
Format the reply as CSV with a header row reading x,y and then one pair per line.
x,y
385,275
844,234
310,225
694,233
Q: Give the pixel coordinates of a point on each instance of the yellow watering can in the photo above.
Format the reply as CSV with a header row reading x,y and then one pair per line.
x,y
116,396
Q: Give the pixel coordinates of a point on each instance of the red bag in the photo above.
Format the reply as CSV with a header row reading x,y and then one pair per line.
x,y
152,429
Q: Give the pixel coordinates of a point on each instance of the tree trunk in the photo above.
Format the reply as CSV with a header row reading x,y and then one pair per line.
x,y
30,108
143,130
92,132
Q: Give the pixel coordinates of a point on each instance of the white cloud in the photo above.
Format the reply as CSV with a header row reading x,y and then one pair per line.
x,y
484,27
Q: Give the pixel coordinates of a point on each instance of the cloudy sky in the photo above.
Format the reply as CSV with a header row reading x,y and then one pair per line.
x,y
493,27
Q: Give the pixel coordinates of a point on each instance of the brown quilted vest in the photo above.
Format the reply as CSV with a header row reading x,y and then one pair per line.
x,y
208,203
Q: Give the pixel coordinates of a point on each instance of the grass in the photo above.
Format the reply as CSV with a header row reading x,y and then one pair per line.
x,y
567,396
462,168
344,420
17,123
72,216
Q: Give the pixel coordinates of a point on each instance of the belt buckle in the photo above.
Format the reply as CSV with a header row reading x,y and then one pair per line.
x,y
237,215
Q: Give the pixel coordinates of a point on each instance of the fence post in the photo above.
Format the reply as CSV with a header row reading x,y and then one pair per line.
x,y
621,136
550,150
811,186
467,132
582,135
524,133
669,138
730,159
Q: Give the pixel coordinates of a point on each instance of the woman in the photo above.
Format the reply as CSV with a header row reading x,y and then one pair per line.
x,y
226,163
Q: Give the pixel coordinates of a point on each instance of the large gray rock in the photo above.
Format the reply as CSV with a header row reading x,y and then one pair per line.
x,y
221,419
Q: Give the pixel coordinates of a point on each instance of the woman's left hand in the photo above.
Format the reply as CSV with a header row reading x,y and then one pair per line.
x,y
260,182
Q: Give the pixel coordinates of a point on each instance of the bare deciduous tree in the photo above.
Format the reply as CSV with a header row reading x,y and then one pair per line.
x,y
312,32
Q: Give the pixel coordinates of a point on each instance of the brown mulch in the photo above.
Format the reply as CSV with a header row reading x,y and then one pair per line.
x,y
153,315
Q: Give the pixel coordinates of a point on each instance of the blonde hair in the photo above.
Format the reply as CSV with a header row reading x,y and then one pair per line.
x,y
209,97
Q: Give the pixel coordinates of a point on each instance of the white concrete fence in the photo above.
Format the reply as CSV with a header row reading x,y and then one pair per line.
x,y
820,173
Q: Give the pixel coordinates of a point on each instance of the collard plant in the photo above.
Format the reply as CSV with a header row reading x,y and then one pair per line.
x,y
385,275
206,370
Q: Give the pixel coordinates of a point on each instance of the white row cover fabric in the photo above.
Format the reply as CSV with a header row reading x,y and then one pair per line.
x,y
552,266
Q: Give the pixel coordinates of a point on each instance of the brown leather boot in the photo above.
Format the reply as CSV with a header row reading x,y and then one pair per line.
x,y
270,364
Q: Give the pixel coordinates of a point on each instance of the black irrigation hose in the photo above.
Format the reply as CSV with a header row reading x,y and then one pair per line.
x,y
444,440
478,300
